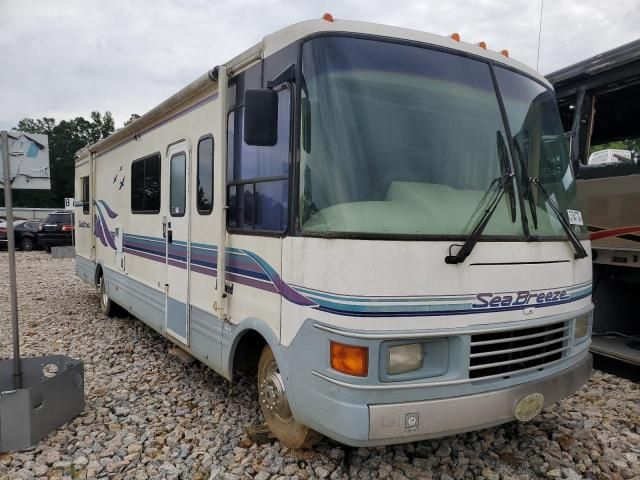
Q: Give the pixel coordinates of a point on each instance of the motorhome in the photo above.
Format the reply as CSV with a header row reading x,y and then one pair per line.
x,y
599,102
380,221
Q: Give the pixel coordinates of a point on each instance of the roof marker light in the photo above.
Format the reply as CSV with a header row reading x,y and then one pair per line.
x,y
505,53
482,45
455,36
328,17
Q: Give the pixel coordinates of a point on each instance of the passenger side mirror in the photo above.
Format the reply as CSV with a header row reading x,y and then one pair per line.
x,y
261,117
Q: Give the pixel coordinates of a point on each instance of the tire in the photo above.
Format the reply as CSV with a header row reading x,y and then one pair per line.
x,y
27,244
275,406
107,306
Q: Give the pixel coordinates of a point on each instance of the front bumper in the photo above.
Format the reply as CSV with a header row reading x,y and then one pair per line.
x,y
406,422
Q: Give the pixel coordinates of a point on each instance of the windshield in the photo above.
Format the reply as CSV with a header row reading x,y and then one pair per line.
x,y
538,135
399,139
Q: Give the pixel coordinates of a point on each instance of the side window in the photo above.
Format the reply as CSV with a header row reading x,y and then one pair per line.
x,y
205,175
145,184
258,177
84,181
177,193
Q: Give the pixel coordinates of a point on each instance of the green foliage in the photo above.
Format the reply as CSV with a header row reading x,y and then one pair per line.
x,y
632,144
133,117
65,139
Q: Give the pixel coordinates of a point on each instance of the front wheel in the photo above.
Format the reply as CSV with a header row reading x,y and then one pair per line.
x,y
275,406
27,244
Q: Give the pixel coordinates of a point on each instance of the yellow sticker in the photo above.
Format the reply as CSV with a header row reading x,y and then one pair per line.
x,y
529,406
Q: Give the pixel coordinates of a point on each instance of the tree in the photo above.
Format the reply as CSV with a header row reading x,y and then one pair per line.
x,y
133,117
65,139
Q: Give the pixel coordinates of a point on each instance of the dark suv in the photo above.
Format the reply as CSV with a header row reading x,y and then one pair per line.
x,y
56,230
26,234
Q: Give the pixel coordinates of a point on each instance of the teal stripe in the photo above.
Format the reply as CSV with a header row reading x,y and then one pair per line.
x,y
322,295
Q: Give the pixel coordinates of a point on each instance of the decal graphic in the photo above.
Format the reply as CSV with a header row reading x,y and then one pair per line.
x,y
102,228
247,268
116,178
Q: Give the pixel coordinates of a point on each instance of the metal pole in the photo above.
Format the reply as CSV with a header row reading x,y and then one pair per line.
x,y
13,295
222,207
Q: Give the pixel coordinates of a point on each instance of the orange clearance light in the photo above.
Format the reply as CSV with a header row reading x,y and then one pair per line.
x,y
350,359
482,45
455,36
504,52
328,17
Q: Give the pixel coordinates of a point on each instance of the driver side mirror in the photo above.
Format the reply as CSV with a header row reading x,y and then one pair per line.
x,y
261,117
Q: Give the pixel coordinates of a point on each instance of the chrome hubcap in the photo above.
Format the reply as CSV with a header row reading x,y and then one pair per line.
x,y
272,395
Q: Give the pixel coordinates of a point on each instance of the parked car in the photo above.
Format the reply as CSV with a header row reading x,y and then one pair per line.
x,y
56,230
25,234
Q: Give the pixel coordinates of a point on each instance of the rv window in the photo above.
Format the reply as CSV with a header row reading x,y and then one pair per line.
x,y
145,185
178,186
85,194
205,175
258,176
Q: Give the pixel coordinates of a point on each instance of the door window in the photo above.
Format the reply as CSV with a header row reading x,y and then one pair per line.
x,y
178,184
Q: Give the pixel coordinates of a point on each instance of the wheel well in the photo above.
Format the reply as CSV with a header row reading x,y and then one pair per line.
x,y
247,352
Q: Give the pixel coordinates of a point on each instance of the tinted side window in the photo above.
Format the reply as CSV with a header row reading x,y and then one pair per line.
x,y
85,194
145,185
205,175
258,176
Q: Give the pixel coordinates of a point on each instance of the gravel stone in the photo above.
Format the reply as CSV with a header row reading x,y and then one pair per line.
x,y
150,416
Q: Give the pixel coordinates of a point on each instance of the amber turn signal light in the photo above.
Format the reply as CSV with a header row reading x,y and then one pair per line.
x,y
350,359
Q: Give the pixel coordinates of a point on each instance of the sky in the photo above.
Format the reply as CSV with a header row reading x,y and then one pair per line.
x,y
65,58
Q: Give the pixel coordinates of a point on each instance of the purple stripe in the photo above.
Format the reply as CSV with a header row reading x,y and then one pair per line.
x,y
145,244
207,258
145,255
110,212
269,287
102,234
246,263
177,263
212,272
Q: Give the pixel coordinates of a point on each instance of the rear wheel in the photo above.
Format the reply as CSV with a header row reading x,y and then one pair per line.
x,y
107,306
275,406
27,244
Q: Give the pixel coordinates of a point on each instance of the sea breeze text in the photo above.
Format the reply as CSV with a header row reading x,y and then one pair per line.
x,y
525,297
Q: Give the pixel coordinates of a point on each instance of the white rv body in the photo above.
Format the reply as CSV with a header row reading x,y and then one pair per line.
x,y
298,293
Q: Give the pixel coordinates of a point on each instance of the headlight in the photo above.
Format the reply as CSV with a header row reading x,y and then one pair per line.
x,y
582,326
405,358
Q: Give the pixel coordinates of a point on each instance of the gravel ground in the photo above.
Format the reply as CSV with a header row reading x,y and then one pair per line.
x,y
148,415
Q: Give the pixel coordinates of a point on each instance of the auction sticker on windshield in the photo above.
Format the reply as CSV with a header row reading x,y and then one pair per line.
x,y
575,217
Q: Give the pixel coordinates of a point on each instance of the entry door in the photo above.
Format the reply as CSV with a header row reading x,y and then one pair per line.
x,y
178,251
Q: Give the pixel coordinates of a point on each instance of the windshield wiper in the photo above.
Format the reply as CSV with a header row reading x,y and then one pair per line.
x,y
580,251
506,183
526,183
525,179
474,236
506,170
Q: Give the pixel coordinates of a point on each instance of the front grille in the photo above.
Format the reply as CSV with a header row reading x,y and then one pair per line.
x,y
504,353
